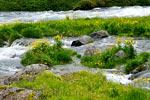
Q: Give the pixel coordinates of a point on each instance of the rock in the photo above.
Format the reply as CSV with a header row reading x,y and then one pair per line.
x,y
143,74
139,68
86,39
99,34
91,50
14,93
35,69
82,41
13,56
120,54
22,42
2,79
76,43
26,72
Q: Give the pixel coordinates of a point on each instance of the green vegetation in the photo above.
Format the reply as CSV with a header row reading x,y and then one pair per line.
x,y
138,26
81,86
42,53
108,59
57,5
139,60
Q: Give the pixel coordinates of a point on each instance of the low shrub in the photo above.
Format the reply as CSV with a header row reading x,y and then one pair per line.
x,y
38,58
5,32
42,53
32,33
14,36
139,60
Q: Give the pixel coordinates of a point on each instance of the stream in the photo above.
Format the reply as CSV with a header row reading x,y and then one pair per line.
x,y
106,12
10,57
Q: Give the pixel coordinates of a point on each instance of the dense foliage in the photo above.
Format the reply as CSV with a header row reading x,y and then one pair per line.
x,y
81,86
107,58
57,5
42,53
138,26
139,60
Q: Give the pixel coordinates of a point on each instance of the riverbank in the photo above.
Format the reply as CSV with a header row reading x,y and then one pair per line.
x,y
134,27
62,5
36,78
78,85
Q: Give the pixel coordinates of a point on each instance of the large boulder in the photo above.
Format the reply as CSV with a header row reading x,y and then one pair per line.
x,y
99,34
76,43
82,41
91,50
28,71
14,93
86,39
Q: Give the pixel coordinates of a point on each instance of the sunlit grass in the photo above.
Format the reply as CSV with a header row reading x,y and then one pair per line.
x,y
81,86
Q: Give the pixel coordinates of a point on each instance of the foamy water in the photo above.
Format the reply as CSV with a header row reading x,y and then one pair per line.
x,y
96,12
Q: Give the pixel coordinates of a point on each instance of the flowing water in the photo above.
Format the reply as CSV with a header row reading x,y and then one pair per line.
x,y
10,56
96,12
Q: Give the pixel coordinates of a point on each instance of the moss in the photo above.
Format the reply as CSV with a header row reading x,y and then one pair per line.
x,y
3,87
31,95
11,94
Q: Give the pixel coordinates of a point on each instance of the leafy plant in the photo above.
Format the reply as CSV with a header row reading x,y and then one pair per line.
x,y
32,33
42,53
134,63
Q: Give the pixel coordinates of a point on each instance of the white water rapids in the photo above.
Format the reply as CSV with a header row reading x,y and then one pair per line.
x,y
96,12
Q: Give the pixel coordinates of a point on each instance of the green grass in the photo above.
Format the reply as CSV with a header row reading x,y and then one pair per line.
x,y
107,59
42,53
137,27
57,5
81,86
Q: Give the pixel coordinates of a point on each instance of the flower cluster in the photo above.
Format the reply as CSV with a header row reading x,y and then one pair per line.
x,y
58,42
40,42
97,52
125,41
58,37
118,40
130,42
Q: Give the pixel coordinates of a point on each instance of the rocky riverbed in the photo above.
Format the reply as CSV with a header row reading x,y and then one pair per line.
x,y
10,57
